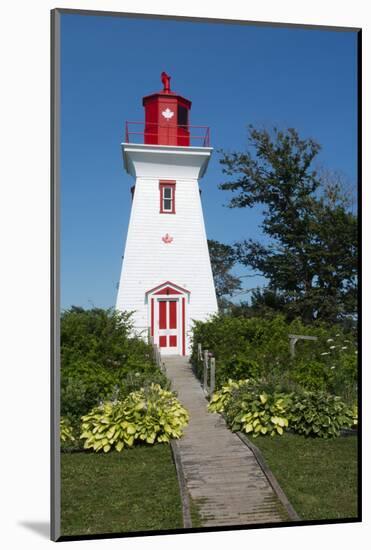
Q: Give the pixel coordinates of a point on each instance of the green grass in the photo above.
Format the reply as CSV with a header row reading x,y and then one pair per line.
x,y
319,476
135,490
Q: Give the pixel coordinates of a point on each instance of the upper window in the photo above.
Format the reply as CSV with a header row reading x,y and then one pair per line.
x,y
167,197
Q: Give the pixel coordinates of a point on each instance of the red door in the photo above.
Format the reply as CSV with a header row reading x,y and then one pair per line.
x,y
168,323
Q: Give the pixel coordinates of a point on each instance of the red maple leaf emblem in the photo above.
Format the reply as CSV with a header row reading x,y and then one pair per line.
x,y
167,239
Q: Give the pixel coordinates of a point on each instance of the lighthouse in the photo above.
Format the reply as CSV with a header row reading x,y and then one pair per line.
x,y
166,278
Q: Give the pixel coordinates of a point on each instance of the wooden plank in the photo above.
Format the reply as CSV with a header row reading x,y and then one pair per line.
x,y
271,478
299,337
186,508
221,473
212,376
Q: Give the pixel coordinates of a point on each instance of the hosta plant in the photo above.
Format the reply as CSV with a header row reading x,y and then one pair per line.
x,y
105,427
248,408
66,431
156,413
319,414
220,398
149,415
257,413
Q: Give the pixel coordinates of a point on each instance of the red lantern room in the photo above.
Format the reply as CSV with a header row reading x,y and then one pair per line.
x,y
166,116
166,121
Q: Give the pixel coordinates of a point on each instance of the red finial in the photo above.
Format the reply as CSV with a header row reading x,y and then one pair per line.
x,y
165,79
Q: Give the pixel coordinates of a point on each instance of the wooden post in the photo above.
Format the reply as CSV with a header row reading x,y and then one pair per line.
x,y
295,337
206,359
212,376
199,352
292,346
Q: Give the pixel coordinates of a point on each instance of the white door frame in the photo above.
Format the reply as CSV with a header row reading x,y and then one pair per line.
x,y
178,331
173,292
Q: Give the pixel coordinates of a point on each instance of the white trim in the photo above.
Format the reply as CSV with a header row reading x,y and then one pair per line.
x,y
157,332
175,287
165,161
165,186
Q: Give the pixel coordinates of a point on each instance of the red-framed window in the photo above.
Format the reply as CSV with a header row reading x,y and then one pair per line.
x,y
167,197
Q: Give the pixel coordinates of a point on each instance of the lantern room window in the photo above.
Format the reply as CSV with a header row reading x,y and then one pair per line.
x,y
167,197
182,116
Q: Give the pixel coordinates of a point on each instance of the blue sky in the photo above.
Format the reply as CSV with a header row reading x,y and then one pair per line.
x,y
234,75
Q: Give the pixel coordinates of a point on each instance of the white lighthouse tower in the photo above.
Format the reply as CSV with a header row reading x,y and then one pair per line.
x,y
166,276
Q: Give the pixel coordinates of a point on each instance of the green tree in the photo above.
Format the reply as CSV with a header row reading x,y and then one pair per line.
x,y
310,260
263,303
222,259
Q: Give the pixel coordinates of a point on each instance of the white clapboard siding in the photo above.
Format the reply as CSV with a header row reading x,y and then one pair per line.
x,y
148,261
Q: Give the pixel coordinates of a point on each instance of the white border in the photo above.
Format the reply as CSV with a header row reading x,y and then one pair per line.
x,y
24,219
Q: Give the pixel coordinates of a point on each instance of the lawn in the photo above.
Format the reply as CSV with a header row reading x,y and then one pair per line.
x,y
319,476
135,490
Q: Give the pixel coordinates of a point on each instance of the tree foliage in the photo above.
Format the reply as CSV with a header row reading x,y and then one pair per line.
x,y
310,258
222,260
101,358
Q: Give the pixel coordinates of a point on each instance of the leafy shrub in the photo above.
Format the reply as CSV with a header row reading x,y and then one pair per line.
x,y
220,398
149,415
354,413
259,348
135,380
101,360
333,370
237,367
157,414
83,385
97,335
244,347
258,413
344,376
66,432
319,414
106,426
280,383
249,409
311,375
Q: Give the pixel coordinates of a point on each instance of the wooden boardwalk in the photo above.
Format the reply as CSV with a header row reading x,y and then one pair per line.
x,y
222,475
